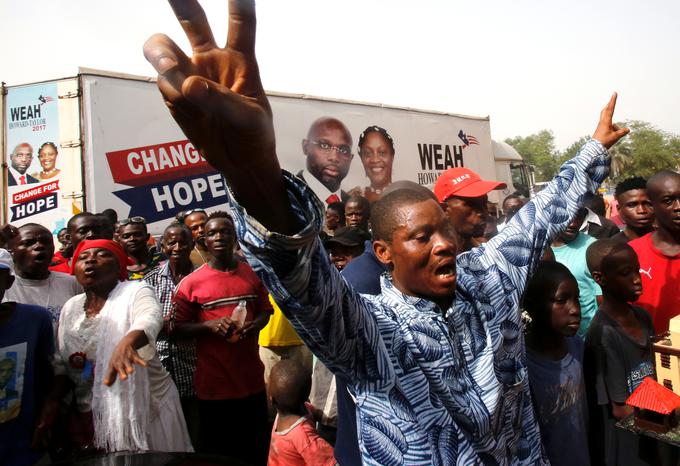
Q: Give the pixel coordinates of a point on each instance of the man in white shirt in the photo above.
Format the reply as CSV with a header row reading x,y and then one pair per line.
x,y
328,148
32,250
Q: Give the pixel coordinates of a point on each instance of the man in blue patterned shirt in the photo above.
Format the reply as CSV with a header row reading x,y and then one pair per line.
x,y
437,359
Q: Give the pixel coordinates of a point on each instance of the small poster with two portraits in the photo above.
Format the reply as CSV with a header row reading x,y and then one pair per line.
x,y
34,163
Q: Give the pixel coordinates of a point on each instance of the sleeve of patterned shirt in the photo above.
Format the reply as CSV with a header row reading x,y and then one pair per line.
x,y
300,276
475,357
518,249
337,324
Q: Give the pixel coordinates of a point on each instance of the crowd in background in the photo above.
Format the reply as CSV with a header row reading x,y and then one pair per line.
x,y
441,334
188,308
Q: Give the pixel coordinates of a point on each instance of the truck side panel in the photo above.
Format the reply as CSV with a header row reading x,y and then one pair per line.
x,y
136,160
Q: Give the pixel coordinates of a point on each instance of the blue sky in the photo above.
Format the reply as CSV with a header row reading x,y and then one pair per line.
x,y
529,65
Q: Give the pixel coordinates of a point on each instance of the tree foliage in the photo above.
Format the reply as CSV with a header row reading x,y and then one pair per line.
x,y
645,151
538,150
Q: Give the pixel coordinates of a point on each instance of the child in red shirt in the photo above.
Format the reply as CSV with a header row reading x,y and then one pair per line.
x,y
294,441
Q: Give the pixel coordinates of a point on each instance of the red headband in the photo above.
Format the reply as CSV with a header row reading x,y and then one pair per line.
x,y
109,245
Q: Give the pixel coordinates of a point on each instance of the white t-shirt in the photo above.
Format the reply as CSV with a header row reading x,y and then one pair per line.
x,y
51,293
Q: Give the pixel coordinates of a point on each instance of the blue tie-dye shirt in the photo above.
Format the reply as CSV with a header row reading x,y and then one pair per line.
x,y
430,389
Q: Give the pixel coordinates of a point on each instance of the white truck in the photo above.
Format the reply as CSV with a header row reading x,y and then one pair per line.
x,y
114,145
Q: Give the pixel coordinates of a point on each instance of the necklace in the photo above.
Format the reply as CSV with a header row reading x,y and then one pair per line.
x,y
49,172
375,190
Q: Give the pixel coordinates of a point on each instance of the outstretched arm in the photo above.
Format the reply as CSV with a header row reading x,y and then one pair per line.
x,y
217,99
518,249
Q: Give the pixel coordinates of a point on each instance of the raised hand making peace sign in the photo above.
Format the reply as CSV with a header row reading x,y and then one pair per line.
x,y
216,97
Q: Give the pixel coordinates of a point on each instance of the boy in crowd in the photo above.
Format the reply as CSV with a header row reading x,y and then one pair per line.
x,y
65,250
618,354
85,225
511,205
357,212
7,232
294,440
659,252
278,341
335,218
178,357
555,363
344,247
347,244
133,236
32,250
195,220
229,380
435,379
570,249
596,224
26,348
635,209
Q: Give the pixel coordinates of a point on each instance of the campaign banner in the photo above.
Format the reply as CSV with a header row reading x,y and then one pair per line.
x,y
34,168
140,164
155,201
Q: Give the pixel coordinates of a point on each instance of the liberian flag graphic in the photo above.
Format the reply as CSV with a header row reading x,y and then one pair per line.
x,y
468,139
45,99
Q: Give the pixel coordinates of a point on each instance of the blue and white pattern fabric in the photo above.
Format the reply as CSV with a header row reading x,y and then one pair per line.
x,y
430,389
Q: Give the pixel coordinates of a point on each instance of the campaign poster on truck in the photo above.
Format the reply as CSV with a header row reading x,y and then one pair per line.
x,y
140,164
34,168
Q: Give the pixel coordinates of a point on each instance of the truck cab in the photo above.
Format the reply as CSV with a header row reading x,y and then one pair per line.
x,y
511,169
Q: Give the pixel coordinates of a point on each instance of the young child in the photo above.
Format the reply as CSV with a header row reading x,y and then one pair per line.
x,y
294,441
618,353
26,347
555,363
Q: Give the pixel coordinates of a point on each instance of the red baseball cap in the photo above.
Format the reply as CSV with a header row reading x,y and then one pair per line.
x,y
463,182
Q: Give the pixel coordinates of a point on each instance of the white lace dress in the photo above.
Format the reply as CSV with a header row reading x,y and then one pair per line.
x,y
144,410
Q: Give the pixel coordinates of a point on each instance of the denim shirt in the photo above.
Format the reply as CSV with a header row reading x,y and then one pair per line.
x,y
430,388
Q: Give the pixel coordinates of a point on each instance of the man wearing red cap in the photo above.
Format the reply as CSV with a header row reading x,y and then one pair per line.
x,y
463,196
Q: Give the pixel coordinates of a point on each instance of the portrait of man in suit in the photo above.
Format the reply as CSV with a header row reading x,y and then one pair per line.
x,y
19,161
328,148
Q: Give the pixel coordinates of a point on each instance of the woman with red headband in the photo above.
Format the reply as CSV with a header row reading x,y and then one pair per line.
x,y
109,333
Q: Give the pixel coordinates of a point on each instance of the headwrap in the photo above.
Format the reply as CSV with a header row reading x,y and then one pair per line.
x,y
109,245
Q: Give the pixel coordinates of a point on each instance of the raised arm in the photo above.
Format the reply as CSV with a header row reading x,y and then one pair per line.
x,y
518,249
216,97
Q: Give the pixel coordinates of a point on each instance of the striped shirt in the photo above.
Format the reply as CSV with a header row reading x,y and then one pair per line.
x,y
178,358
430,389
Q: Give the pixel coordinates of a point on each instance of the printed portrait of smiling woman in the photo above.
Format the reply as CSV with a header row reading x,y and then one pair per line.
x,y
376,149
47,155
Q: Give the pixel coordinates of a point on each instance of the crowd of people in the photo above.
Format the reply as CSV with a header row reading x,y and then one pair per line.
x,y
160,314
399,325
